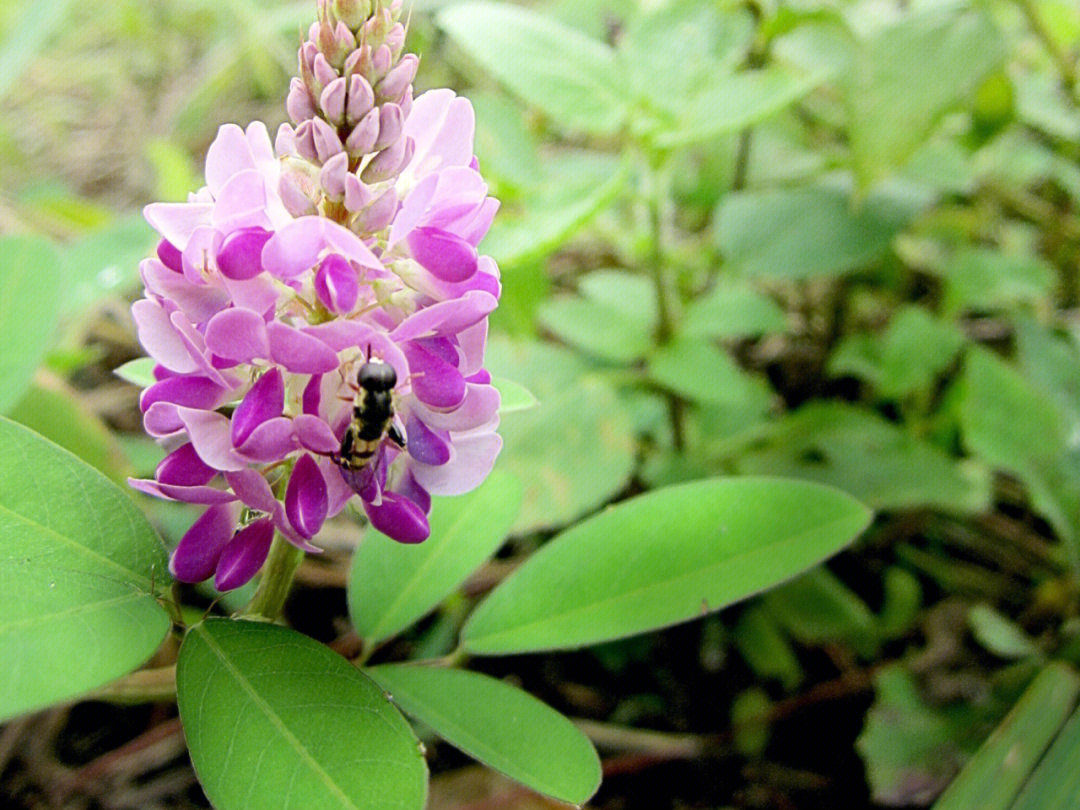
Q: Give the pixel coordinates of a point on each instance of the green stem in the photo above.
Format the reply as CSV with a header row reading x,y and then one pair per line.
x,y
276,581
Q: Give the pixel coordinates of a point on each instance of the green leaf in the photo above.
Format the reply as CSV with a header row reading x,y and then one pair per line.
x,y
984,279
732,102
77,565
600,331
802,232
993,777
860,452
139,371
1056,782
273,719
701,372
906,76
570,76
105,262
498,724
730,311
661,558
27,35
911,750
513,396
30,277
766,649
817,608
750,721
999,635
393,584
575,449
58,416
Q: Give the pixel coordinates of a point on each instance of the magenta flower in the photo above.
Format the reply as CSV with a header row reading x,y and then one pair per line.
x,y
352,241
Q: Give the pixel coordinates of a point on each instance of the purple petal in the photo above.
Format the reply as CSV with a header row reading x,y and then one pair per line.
x,y
306,502
474,456
445,255
241,203
314,434
160,338
240,255
298,352
244,555
426,445
227,155
312,395
338,492
162,419
184,468
177,221
210,435
170,256
446,317
398,518
270,441
296,246
201,495
199,549
409,488
480,406
264,401
239,335
191,392
336,284
434,381
199,302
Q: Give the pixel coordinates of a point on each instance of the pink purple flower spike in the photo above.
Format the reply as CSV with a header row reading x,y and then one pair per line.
x,y
349,243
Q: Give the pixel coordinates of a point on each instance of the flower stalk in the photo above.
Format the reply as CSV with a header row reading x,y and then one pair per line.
x,y
278,573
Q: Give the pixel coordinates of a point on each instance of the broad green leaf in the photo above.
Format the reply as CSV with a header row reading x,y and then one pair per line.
x,y
766,649
629,294
570,76
498,724
993,777
273,719
701,372
30,300
802,232
817,607
661,558
906,76
105,262
575,449
513,396
1000,635
1056,782
77,565
984,279
735,101
576,187
600,331
504,145
732,310
904,360
860,452
139,371
911,750
393,584
900,603
58,416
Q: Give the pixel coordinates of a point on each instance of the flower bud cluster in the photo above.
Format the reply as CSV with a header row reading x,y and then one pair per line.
x,y
351,241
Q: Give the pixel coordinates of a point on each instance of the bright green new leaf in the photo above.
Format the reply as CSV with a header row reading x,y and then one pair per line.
x,y
732,310
139,371
802,232
393,584
731,102
701,372
906,75
498,724
570,76
275,720
30,281
77,565
993,777
513,396
1000,635
766,649
661,558
984,279
817,607
595,329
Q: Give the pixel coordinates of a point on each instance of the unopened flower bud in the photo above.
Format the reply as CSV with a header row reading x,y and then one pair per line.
x,y
390,124
332,176
381,61
332,101
305,140
394,83
298,102
294,197
387,162
327,142
352,12
336,284
395,39
357,195
324,73
362,138
379,213
361,99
